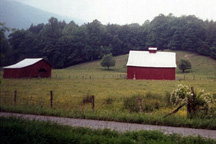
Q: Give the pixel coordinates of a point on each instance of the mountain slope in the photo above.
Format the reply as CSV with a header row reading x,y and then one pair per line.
x,y
21,16
201,65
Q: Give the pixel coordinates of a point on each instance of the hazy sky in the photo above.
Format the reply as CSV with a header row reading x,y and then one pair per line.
x,y
126,11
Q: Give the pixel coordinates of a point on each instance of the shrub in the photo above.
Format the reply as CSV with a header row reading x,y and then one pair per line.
x,y
109,101
156,105
214,96
148,104
198,102
180,95
131,104
148,107
168,99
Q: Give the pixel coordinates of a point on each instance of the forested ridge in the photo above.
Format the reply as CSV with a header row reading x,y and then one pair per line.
x,y
65,44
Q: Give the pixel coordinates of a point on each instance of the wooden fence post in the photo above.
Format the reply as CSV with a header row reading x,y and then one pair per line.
x,y
51,99
140,105
15,95
193,100
93,104
190,104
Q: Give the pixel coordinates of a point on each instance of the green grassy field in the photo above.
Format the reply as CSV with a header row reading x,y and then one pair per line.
x,y
111,90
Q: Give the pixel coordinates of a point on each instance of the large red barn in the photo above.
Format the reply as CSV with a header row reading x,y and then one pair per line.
x,y
29,67
151,65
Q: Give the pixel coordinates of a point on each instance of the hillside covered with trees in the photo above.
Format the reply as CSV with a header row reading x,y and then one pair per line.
x,y
65,44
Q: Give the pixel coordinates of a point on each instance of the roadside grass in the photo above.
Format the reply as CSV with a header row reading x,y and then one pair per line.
x,y
111,89
15,130
105,115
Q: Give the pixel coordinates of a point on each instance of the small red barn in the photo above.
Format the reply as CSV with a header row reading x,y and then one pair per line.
x,y
29,67
151,65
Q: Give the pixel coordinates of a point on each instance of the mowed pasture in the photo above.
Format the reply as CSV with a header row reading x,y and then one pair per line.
x,y
114,94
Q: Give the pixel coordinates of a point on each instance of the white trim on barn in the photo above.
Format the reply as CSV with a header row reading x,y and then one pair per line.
x,y
152,48
24,63
156,60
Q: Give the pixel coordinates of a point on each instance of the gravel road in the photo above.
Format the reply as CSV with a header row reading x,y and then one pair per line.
x,y
118,126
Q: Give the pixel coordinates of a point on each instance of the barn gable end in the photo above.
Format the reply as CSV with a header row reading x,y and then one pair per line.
x,y
27,68
151,65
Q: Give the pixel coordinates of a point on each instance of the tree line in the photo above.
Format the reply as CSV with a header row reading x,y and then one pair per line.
x,y
65,44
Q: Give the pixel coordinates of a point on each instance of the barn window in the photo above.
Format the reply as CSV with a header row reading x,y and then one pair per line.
x,y
42,70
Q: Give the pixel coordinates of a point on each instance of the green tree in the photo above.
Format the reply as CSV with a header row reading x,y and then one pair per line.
x,y
95,34
68,44
184,65
105,50
3,41
108,61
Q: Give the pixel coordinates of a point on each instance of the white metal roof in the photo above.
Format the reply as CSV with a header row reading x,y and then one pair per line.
x,y
24,63
146,59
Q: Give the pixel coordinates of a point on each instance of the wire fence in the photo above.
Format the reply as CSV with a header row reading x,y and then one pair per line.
x,y
124,76
90,77
195,78
45,100
50,100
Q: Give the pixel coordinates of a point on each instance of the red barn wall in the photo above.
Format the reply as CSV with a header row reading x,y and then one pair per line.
x,y
11,73
151,73
29,71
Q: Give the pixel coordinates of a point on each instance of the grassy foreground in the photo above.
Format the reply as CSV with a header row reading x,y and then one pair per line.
x,y
24,131
115,96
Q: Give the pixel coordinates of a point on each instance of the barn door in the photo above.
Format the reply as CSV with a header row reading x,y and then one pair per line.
x,y
42,72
